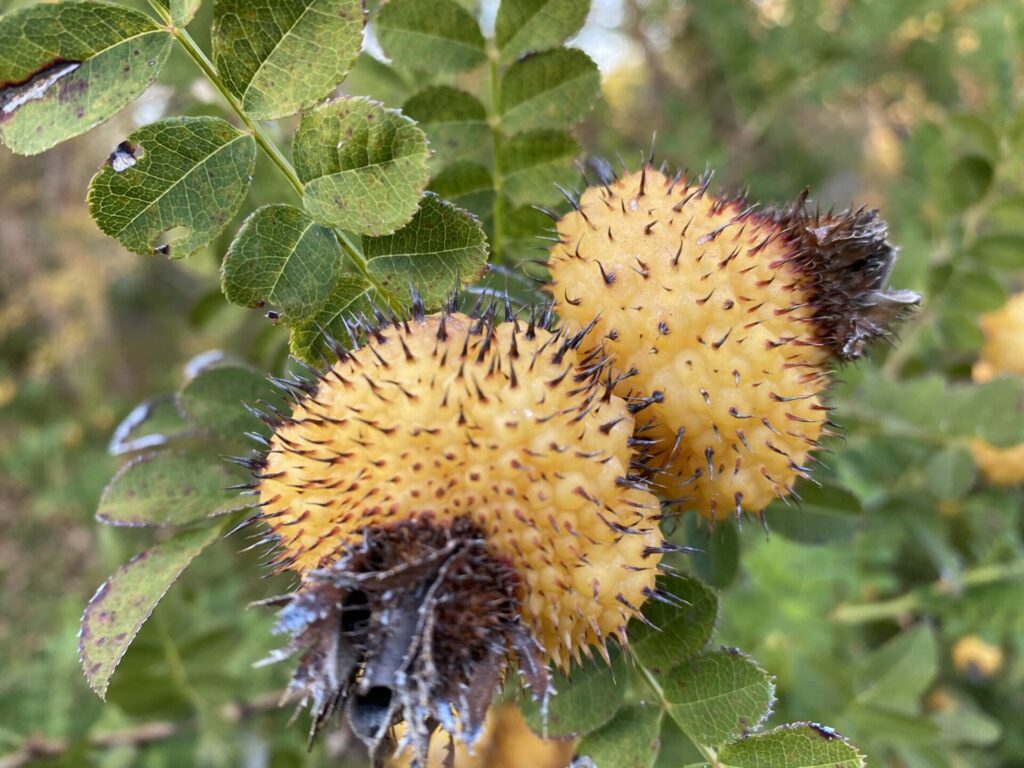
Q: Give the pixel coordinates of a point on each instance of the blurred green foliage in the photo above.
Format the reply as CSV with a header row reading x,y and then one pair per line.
x,y
914,107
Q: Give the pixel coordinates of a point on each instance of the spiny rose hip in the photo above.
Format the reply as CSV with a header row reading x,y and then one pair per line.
x,y
721,320
1001,355
455,493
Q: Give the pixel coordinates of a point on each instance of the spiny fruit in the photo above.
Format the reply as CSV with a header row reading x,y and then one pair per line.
x,y
455,493
723,319
1002,353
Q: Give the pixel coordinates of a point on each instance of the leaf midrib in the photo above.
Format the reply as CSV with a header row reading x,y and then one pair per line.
x,y
149,206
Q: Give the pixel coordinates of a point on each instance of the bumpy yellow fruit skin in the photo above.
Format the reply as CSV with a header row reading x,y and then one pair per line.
x,y
507,742
1002,354
974,657
445,417
695,296
1003,351
1000,466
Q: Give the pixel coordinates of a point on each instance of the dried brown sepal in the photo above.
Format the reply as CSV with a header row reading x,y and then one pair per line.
x,y
846,260
417,624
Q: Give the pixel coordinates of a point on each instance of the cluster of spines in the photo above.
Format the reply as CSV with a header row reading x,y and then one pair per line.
x,y
592,373
840,263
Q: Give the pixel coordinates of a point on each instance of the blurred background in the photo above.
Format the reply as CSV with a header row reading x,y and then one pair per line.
x,y
897,619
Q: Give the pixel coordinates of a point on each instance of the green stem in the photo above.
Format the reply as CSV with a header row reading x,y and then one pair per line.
x,y
263,139
914,600
498,210
706,752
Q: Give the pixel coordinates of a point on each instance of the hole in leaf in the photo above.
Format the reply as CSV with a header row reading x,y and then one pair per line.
x,y
166,240
125,156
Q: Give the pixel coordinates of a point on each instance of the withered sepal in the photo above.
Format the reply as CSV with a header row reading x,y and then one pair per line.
x,y
418,623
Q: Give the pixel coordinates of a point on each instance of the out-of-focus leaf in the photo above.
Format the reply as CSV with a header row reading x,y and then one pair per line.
x,y
455,121
553,89
525,26
467,184
442,248
67,67
280,56
372,77
170,489
352,295
969,180
182,11
897,674
826,514
975,292
441,35
533,162
125,600
682,630
364,166
185,174
584,701
800,745
717,695
282,257
963,722
930,406
628,740
971,133
152,423
717,558
950,473
213,400
1003,250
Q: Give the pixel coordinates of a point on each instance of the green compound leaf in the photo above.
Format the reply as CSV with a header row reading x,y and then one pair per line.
x,y
553,89
282,257
213,400
126,600
584,701
681,630
67,67
170,489
281,56
628,740
440,35
352,295
364,166
826,514
442,248
186,175
534,162
455,121
799,745
716,696
525,26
